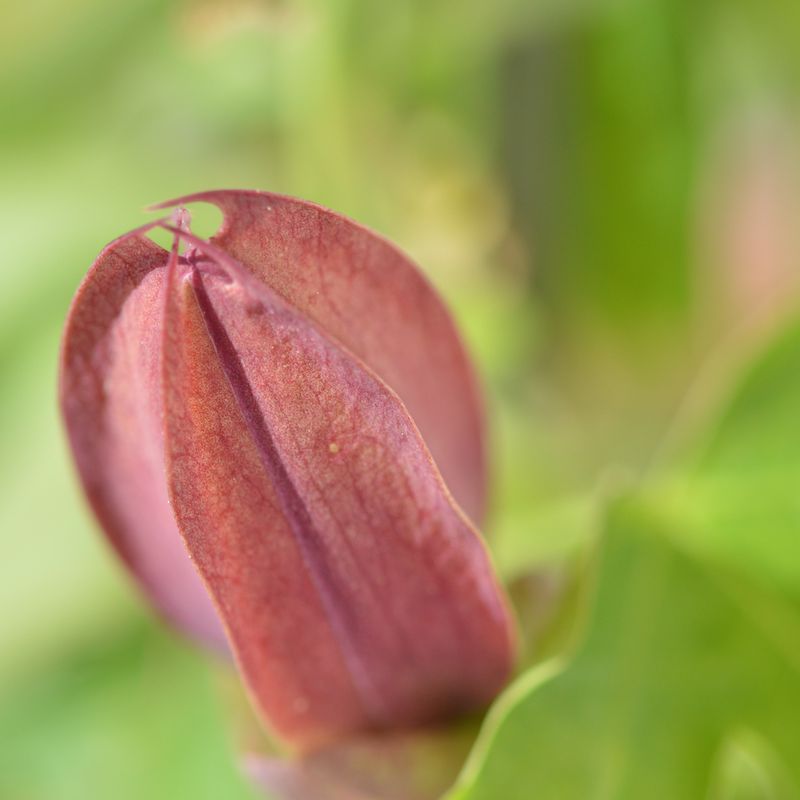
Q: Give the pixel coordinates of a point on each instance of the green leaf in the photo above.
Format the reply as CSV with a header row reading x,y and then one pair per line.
x,y
748,769
678,657
759,427
751,524
738,503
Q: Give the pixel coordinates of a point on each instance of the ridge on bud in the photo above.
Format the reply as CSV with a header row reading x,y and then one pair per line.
x,y
278,431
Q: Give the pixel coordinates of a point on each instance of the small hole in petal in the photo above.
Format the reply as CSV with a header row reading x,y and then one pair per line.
x,y
206,219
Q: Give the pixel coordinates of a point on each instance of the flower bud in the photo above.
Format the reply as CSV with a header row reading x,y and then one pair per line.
x,y
278,430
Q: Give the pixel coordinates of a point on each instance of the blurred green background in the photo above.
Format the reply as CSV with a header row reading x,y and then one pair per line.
x,y
607,194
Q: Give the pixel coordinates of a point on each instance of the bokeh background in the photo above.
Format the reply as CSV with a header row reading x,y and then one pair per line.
x,y
607,194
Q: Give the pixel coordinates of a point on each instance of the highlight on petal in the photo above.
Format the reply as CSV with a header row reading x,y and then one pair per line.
x,y
252,402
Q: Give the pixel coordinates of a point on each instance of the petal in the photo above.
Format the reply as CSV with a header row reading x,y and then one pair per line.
x,y
355,593
367,294
111,402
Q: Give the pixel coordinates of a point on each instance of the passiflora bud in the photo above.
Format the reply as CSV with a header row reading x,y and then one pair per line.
x,y
279,432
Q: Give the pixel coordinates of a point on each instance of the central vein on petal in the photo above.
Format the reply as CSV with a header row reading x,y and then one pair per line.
x,y
293,506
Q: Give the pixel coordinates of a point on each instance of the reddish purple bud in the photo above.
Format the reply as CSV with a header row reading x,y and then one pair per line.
x,y
290,403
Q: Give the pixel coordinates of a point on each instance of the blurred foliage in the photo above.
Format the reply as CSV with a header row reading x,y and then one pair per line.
x,y
605,192
678,658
